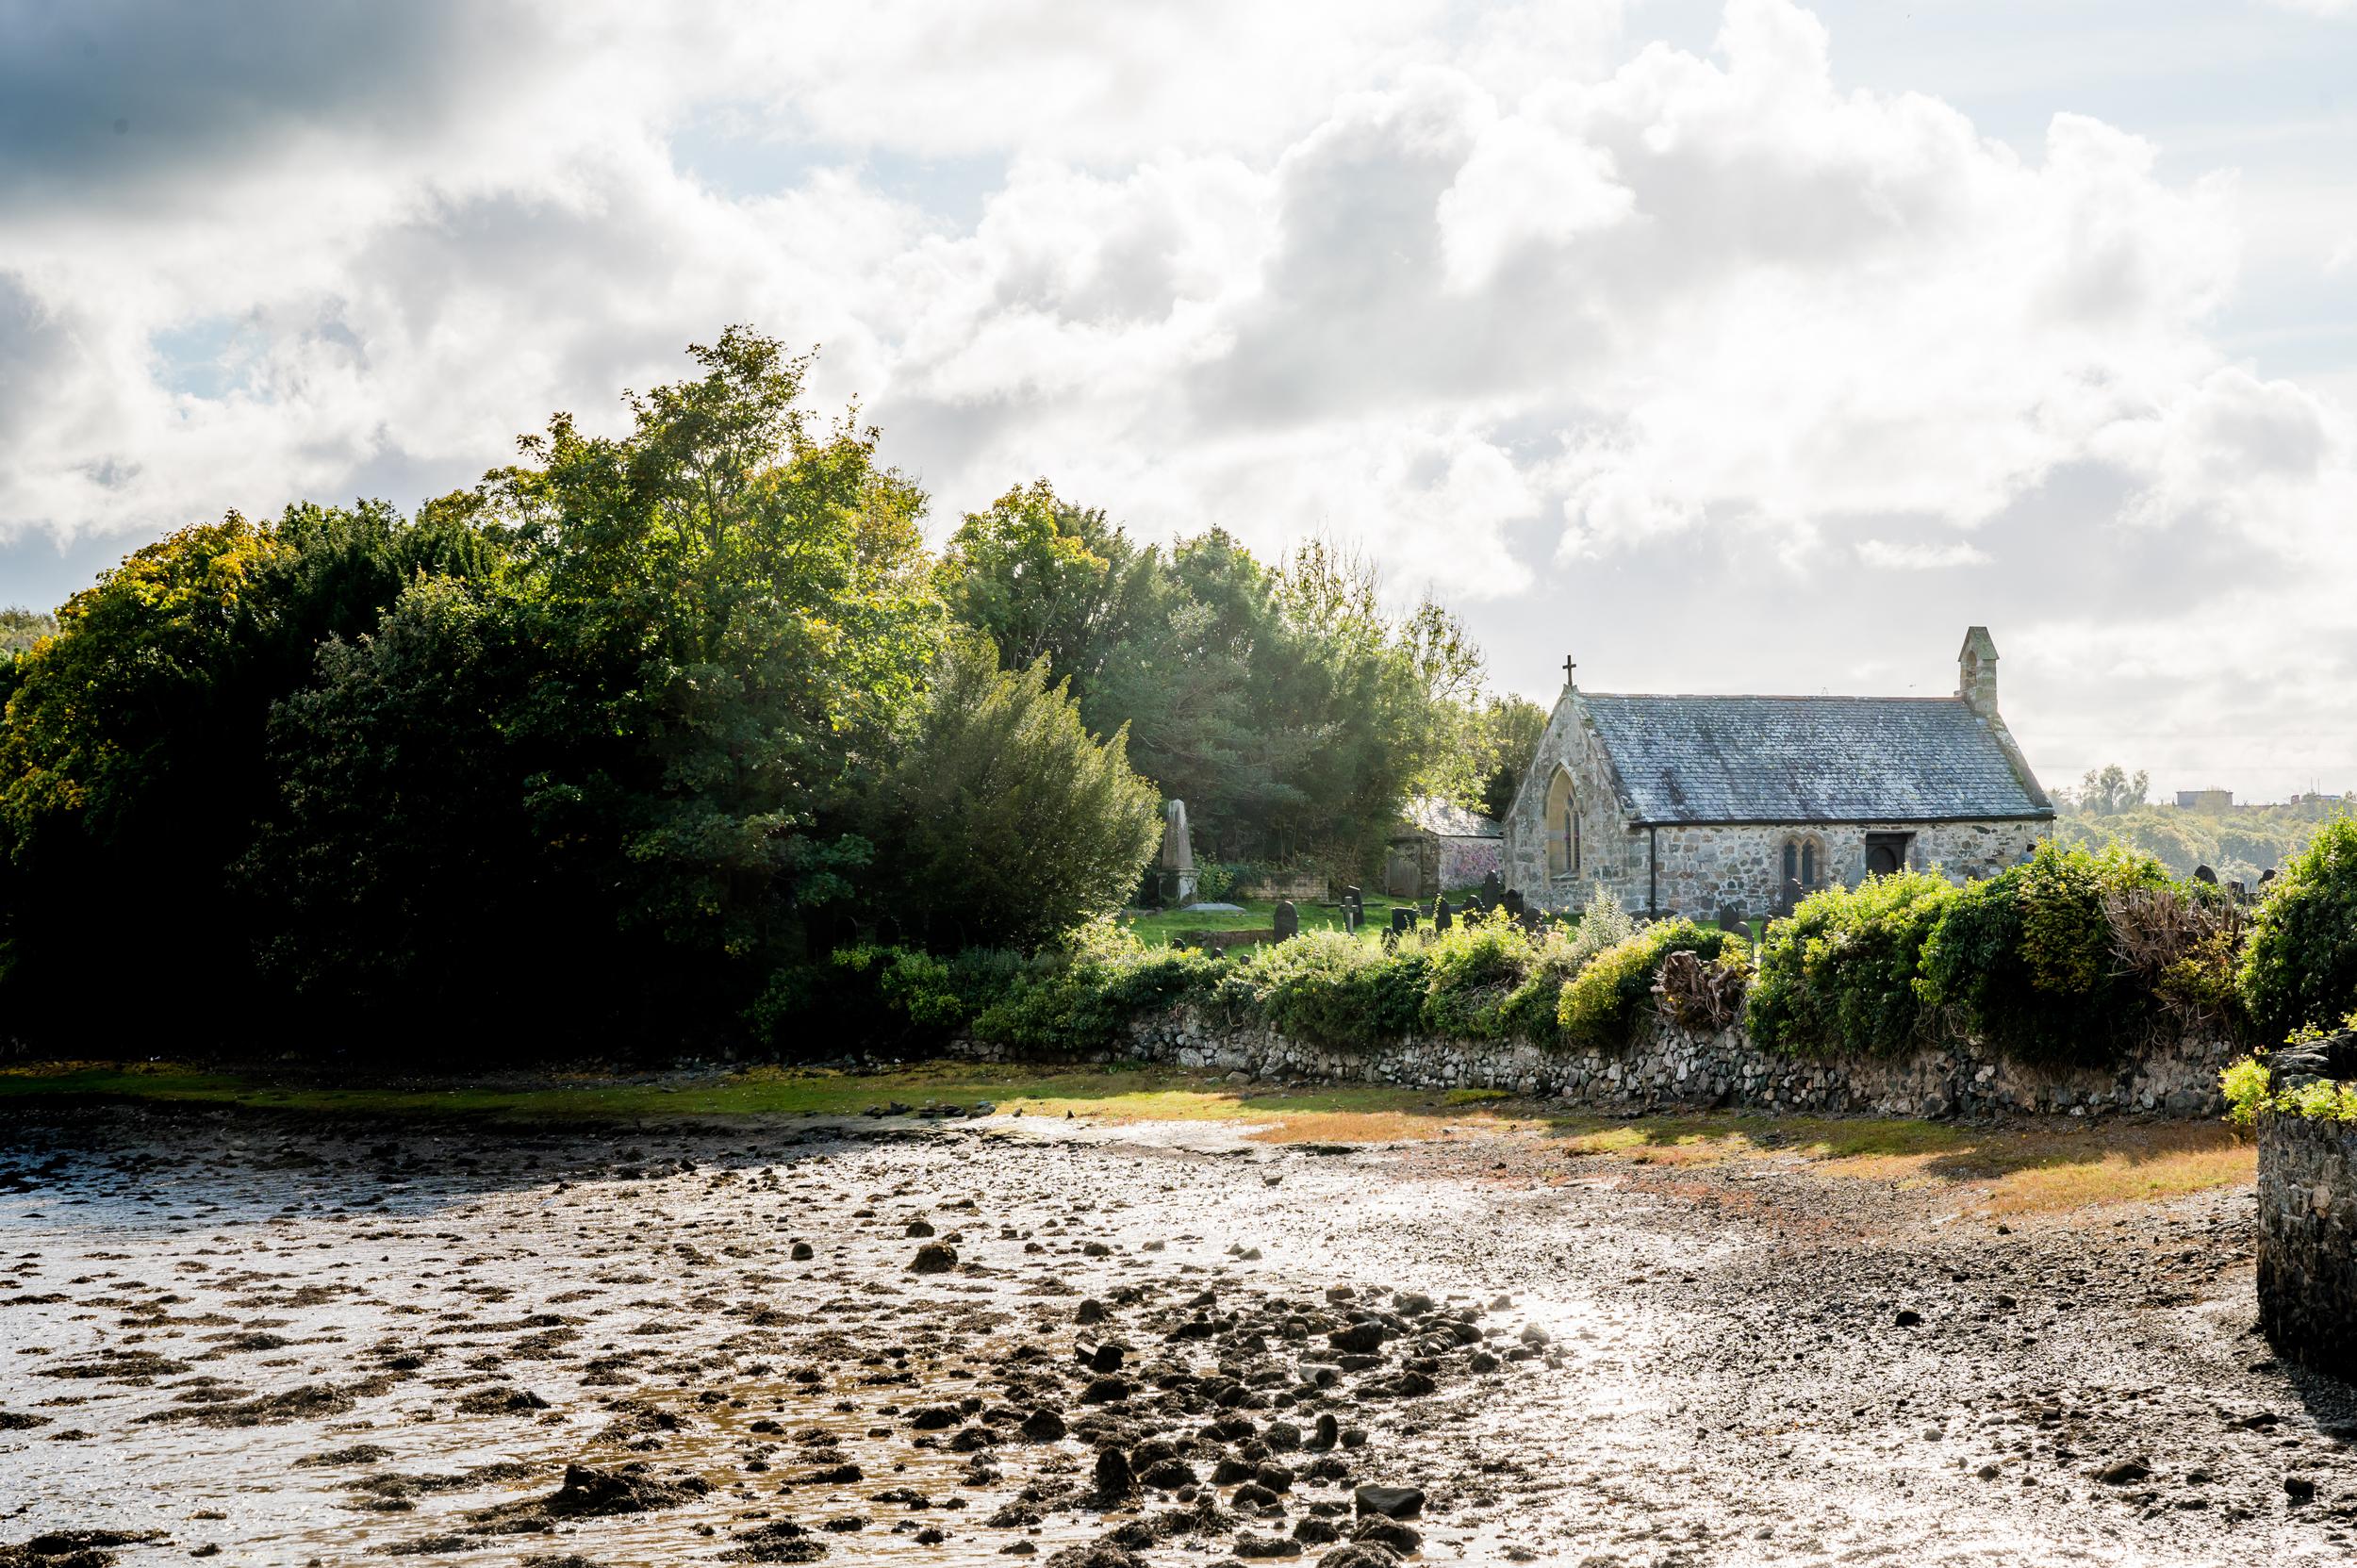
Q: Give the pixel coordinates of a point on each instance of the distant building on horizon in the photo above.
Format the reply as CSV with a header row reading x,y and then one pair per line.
x,y
2205,799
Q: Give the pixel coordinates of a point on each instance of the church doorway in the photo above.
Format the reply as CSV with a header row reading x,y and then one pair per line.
x,y
1886,853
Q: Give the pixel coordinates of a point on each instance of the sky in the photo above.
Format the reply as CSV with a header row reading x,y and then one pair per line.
x,y
1745,346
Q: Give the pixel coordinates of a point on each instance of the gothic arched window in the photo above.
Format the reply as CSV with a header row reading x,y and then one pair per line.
x,y
1562,826
1802,864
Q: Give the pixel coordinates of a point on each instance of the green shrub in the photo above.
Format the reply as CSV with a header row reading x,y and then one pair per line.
x,y
1073,999
1082,997
1602,1004
2300,963
2025,958
1473,969
1839,972
1330,988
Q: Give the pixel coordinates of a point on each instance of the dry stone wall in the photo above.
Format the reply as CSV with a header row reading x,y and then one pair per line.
x,y
1670,1068
2308,1240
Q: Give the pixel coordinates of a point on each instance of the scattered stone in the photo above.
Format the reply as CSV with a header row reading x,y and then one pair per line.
x,y
935,1258
1391,1502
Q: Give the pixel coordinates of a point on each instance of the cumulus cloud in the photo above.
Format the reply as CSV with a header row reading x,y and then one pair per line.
x,y
1538,311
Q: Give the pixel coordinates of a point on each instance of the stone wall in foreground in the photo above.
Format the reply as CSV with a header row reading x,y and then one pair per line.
x,y
1674,1069
2308,1240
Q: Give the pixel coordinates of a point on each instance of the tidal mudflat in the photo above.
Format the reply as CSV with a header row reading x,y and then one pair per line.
x,y
294,1339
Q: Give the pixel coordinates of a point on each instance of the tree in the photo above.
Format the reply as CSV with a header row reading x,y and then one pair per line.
x,y
1008,823
131,747
1284,706
744,600
2111,789
1046,579
21,628
1506,732
403,875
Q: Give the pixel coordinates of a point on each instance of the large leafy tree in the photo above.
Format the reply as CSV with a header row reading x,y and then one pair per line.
x,y
742,594
132,771
1284,706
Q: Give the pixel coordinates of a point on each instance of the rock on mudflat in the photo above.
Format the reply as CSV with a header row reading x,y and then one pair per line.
x,y
935,1258
1391,1502
1359,1554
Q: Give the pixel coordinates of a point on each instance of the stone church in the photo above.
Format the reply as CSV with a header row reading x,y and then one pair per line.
x,y
1695,805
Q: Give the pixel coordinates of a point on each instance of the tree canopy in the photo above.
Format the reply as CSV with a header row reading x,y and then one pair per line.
x,y
642,721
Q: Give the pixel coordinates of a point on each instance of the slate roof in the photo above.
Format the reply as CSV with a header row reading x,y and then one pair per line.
x,y
1810,759
1447,819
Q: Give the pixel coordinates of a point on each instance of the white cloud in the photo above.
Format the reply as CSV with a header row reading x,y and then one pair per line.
x,y
1919,556
1507,298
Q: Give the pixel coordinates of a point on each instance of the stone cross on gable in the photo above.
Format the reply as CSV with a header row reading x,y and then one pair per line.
x,y
1568,668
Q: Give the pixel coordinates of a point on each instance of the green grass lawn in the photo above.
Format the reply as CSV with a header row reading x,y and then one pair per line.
x,y
1157,929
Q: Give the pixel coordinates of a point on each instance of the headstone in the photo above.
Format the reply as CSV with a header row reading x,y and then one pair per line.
x,y
1175,865
1403,920
2203,874
2267,876
1288,920
1491,891
1443,917
1512,902
2240,891
1731,919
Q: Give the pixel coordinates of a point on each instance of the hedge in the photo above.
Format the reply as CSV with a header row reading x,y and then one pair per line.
x,y
2299,965
1840,973
2061,961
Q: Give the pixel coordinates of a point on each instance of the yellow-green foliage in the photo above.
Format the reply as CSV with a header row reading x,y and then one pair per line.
x,y
1485,974
2249,1088
1602,1004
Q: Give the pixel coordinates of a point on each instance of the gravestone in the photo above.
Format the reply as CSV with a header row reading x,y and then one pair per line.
x,y
2267,876
1731,919
1403,920
1174,867
2240,891
1512,902
1288,920
2203,874
1441,916
1492,891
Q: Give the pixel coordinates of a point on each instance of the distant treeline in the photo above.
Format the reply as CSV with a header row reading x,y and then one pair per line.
x,y
2108,806
607,749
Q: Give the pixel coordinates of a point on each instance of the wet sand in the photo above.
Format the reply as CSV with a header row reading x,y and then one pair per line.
x,y
288,1341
